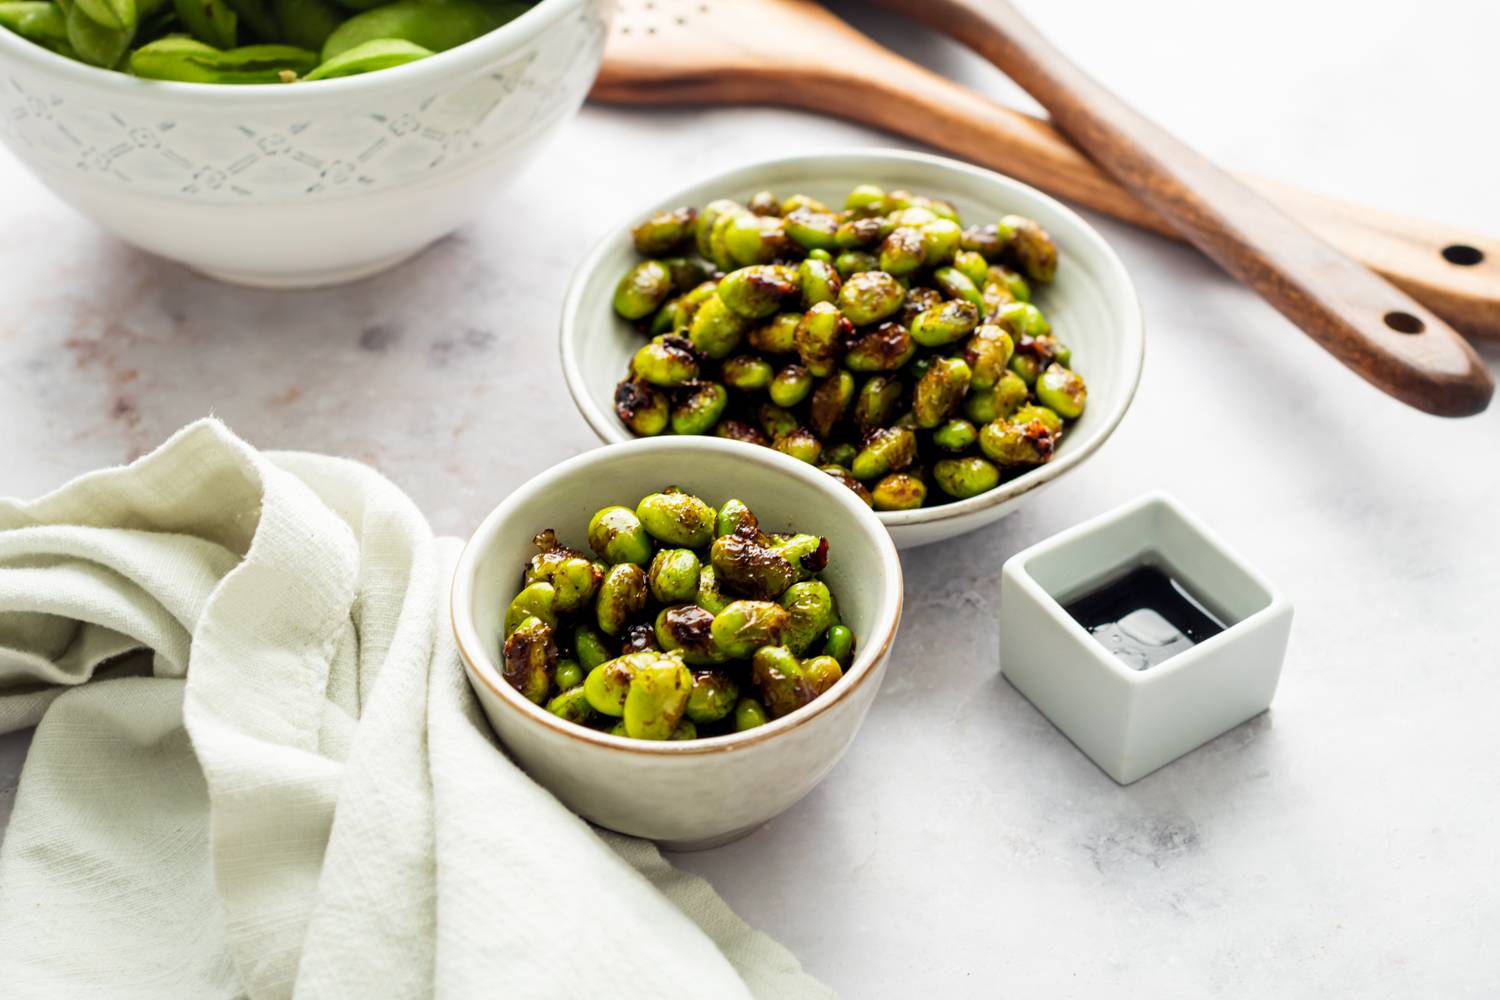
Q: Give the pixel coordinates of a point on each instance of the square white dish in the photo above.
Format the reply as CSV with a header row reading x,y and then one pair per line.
x,y
1132,721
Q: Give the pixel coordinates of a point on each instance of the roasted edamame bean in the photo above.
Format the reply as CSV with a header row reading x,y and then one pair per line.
x,y
622,597
874,341
666,652
673,576
617,535
677,518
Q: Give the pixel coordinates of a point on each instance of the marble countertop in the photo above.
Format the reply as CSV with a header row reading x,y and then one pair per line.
x,y
1342,844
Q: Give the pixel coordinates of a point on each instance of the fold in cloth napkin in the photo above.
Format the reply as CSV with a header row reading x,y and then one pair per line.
x,y
293,793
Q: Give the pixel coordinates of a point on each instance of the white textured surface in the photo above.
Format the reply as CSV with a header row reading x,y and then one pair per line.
x,y
1344,844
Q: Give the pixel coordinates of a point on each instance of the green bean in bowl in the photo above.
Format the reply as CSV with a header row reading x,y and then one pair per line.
x,y
684,621
253,41
885,342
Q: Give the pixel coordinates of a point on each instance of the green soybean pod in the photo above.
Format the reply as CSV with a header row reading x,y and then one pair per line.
x,y
434,25
95,43
368,57
120,15
190,61
307,23
210,21
41,22
256,15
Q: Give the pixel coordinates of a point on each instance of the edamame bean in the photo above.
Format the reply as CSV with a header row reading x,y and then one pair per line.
x,y
699,410
839,644
965,477
810,613
590,646
870,297
617,535
713,697
536,601
568,674
953,320
1062,391
753,568
677,518
642,407
642,291
899,491
665,232
939,392
528,656
818,335
756,292
686,629
1031,248
673,576
1009,444
745,626
622,597
887,449
657,698
830,401
666,361
572,704
791,385
748,714
885,348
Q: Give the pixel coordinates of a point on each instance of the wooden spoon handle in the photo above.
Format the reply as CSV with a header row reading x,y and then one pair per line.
x,y
1373,328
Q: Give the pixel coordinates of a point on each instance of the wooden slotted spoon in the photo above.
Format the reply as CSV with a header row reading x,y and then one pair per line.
x,y
795,53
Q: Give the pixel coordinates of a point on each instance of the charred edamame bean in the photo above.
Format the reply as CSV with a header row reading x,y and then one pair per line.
x,y
673,576
622,597
677,518
874,340
965,477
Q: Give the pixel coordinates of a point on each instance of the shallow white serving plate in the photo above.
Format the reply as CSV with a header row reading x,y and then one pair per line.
x,y
1131,722
695,793
1092,306
290,185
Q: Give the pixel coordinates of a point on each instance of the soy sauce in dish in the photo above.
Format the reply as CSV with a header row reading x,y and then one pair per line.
x,y
1144,617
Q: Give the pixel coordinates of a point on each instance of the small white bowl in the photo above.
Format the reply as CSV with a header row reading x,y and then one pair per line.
x,y
1092,305
1131,722
289,185
698,793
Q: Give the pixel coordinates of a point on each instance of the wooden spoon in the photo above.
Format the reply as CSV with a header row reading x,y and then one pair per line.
x,y
794,53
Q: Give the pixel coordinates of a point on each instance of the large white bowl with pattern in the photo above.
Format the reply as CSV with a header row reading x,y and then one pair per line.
x,y
300,184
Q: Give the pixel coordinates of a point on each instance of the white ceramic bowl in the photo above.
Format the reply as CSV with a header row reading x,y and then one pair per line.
x,y
303,184
703,792
1092,306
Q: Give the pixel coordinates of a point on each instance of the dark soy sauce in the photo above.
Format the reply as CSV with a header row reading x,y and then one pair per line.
x,y
1144,617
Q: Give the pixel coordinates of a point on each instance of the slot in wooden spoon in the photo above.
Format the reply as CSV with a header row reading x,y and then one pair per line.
x,y
794,53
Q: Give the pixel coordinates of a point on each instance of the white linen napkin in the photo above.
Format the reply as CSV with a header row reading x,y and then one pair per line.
x,y
293,793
